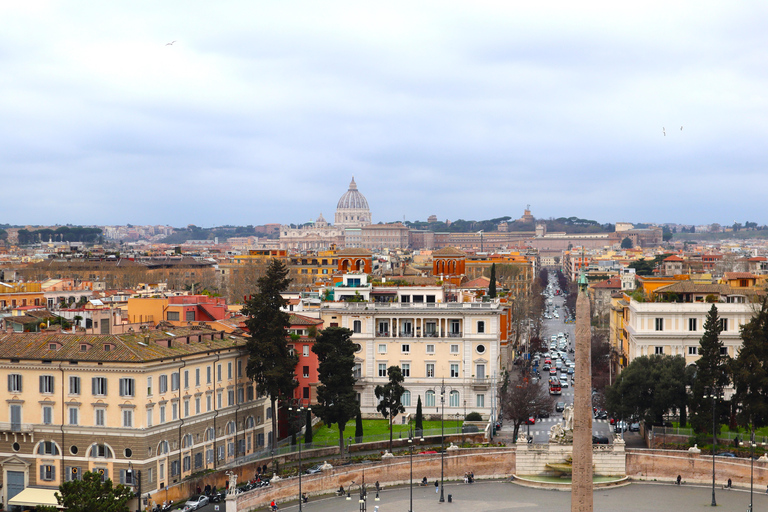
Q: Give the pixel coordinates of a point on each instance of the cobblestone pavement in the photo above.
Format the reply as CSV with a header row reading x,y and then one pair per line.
x,y
500,496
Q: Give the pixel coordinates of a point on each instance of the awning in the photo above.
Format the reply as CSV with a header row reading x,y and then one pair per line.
x,y
32,497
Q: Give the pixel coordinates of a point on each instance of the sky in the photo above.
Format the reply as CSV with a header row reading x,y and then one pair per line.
x,y
263,111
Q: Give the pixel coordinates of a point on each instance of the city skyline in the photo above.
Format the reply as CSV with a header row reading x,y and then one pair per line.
x,y
261,113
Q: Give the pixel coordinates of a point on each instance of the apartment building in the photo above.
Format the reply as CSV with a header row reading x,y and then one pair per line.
x,y
168,402
432,341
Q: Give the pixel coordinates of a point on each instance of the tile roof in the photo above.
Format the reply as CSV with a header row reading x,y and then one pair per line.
x,y
304,320
480,282
757,258
448,251
673,258
688,286
738,275
354,252
610,283
133,347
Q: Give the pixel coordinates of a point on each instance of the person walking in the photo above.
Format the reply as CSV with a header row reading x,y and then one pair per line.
x,y
437,487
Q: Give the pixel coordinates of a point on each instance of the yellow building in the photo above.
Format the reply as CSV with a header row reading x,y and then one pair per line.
x,y
21,294
166,402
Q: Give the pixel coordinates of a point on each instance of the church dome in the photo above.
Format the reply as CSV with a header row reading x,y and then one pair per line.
x,y
352,199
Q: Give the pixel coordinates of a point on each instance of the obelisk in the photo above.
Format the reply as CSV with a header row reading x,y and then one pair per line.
x,y
581,488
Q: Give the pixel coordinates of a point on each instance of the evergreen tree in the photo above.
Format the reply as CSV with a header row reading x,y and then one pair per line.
x,y
492,284
270,364
712,373
336,396
91,495
308,428
419,418
359,427
750,371
389,396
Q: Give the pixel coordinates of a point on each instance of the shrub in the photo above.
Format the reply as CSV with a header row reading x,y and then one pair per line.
x,y
473,416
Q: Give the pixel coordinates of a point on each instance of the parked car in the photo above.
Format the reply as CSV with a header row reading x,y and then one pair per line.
x,y
317,468
560,407
544,414
725,454
620,426
634,426
599,439
196,502
530,421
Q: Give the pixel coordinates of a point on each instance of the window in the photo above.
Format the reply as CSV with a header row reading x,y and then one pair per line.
x,y
454,349
99,385
405,369
691,324
305,372
190,316
454,369
229,370
15,417
173,316
197,376
357,371
382,348
74,385
127,418
430,369
163,384
382,369
208,404
454,326
46,383
175,381
47,415
100,417
197,405
239,368
430,349
659,325
127,387
480,400
429,398
73,473
405,398
305,392
693,351
231,397
219,402
723,324
218,372
186,408
305,350
47,448
150,413
723,351
480,327
174,411
659,350
48,472
74,415
186,379
383,328
162,414
453,398
430,329
208,372
14,383
149,386
405,348
249,393
357,326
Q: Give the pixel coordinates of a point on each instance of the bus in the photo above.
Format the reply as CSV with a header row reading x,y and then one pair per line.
x,y
554,386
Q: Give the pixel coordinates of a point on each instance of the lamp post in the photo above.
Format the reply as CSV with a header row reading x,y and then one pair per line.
x,y
363,494
751,466
298,410
713,395
410,443
442,437
133,479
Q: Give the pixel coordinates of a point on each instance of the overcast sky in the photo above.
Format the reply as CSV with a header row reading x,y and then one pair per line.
x,y
263,111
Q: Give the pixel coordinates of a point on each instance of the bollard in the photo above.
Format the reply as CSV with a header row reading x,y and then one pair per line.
x,y
450,498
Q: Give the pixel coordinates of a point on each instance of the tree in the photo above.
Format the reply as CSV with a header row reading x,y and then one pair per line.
x,y
389,397
270,363
648,388
336,396
492,284
520,399
419,418
712,369
359,427
626,243
750,371
92,495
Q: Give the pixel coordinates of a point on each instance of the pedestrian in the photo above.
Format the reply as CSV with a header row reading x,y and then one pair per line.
x,y
729,483
378,488
436,487
264,469
466,477
679,479
198,490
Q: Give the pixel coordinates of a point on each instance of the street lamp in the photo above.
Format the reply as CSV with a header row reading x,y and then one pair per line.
x,y
751,466
133,480
298,410
714,396
363,494
442,439
410,443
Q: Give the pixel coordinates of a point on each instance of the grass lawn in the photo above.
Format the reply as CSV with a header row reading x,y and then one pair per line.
x,y
375,430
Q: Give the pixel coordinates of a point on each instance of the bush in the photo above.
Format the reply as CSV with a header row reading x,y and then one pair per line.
x,y
473,416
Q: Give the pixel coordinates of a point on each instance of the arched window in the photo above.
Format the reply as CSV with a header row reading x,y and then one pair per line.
x,y
454,399
186,441
249,423
101,451
162,448
429,399
210,434
47,448
231,427
405,398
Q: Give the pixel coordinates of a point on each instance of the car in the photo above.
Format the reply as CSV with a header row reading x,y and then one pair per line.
x,y
725,454
634,426
195,502
564,383
569,370
599,439
600,414
544,414
560,407
530,421
317,468
620,426
553,371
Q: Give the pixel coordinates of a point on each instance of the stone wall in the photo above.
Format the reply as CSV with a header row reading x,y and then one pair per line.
x,y
693,467
531,459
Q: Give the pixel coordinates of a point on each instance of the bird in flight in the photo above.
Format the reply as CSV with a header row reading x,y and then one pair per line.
x,y
664,131
170,44
681,128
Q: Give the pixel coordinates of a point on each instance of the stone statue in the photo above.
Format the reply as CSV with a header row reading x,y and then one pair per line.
x,y
568,417
232,491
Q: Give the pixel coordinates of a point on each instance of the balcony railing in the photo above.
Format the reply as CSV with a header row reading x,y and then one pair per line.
x,y
454,334
406,335
6,426
481,382
382,334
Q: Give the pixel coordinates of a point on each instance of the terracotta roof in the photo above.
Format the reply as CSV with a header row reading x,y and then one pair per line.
x,y
757,258
673,258
449,251
304,320
738,275
134,347
688,286
611,283
480,282
354,252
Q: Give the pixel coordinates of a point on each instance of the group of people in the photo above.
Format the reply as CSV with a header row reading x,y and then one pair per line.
x,y
469,477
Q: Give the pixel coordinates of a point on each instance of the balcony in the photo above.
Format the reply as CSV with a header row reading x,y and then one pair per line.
x,y
382,334
481,382
454,334
430,334
6,426
406,335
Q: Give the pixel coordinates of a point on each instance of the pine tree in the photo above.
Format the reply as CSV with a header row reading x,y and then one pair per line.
x,y
270,363
308,428
711,373
750,371
359,427
492,284
419,418
389,397
336,396
92,495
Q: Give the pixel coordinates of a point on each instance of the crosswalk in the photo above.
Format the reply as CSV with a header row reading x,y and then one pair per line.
x,y
543,425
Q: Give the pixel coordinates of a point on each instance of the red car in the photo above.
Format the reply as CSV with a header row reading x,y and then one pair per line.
x,y
531,421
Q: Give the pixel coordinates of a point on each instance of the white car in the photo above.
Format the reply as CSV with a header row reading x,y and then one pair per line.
x,y
196,502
